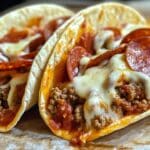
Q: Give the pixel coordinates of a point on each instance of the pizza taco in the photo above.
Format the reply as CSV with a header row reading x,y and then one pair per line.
x,y
97,79
23,33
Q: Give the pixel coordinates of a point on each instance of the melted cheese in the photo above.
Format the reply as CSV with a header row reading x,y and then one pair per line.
x,y
15,49
97,85
129,28
101,39
16,80
84,60
104,39
3,58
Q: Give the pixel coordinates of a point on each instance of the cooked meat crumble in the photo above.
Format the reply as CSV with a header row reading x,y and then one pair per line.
x,y
78,114
66,107
131,99
99,122
3,96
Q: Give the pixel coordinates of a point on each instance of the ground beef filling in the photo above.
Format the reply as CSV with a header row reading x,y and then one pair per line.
x,y
4,90
3,97
7,113
99,122
66,108
131,99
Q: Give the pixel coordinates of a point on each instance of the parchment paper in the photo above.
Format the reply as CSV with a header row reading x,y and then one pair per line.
x,y
32,134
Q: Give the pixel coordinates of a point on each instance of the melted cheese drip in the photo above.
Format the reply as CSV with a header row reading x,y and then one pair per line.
x,y
102,37
97,86
129,28
105,38
15,49
84,60
3,58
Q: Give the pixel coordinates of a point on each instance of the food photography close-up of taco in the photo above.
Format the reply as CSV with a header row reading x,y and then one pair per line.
x,y
75,77
98,78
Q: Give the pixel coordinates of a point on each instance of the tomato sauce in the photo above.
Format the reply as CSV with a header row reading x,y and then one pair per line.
x,y
7,115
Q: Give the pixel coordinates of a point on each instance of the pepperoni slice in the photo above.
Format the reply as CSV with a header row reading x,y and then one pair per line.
x,y
37,43
14,36
87,41
116,31
51,26
138,55
18,64
73,60
99,59
136,34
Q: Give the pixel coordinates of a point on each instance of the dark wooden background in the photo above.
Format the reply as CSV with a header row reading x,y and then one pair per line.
x,y
141,5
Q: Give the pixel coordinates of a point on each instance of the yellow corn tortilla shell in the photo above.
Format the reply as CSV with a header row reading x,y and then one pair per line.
x,y
19,19
103,15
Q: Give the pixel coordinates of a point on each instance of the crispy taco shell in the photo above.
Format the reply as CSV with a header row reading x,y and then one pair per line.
x,y
21,19
103,15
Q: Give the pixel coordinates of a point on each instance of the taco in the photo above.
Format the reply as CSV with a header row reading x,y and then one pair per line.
x,y
23,33
97,79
